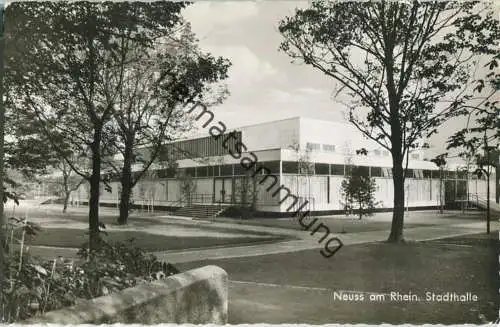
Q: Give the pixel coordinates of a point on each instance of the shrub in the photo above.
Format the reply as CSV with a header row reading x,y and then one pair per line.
x,y
358,192
33,287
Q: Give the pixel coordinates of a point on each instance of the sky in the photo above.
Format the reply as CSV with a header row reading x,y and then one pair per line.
x,y
263,83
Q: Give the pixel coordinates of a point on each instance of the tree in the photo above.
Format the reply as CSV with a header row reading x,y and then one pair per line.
x,y
187,187
2,125
64,54
485,133
69,182
440,162
159,81
246,190
398,63
359,191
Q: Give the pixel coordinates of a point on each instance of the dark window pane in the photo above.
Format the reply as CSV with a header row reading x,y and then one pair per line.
x,y
337,170
226,170
161,173
427,174
272,166
435,174
170,173
321,169
239,170
462,174
190,172
409,173
202,171
290,167
361,171
376,171
451,174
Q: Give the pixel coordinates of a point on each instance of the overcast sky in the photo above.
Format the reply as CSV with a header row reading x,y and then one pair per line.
x,y
264,85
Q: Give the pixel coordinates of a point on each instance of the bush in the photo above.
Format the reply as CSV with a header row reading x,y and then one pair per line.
x,y
33,287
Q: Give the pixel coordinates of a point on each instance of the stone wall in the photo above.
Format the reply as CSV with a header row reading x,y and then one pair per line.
x,y
198,296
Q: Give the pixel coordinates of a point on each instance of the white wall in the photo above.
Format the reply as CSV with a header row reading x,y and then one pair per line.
x,y
272,135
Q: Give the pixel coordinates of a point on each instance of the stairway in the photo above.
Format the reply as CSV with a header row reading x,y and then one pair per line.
x,y
200,211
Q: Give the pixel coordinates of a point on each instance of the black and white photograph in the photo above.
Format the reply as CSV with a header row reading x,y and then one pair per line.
x,y
250,162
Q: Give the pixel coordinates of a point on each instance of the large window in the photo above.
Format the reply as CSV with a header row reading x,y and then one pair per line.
x,y
272,166
376,171
451,174
386,172
337,170
191,172
239,170
321,169
202,171
363,170
290,167
226,170
427,173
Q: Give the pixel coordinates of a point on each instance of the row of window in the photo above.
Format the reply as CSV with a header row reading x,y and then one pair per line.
x,y
317,147
331,148
294,167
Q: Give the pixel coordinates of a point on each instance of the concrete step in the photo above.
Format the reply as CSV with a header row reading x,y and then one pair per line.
x,y
199,211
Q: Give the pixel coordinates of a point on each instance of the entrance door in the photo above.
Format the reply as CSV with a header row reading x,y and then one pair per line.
x,y
223,189
218,190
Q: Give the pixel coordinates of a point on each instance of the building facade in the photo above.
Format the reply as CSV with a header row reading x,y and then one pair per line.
x,y
295,160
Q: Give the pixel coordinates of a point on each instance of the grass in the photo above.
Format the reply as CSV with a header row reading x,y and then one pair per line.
x,y
433,266
74,238
335,225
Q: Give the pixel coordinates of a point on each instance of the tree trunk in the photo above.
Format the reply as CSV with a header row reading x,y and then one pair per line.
x,y
488,213
66,200
66,192
2,124
441,200
399,196
497,177
126,184
95,180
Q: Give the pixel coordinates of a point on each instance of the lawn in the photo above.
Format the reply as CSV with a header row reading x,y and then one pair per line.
x,y
299,287
340,225
74,238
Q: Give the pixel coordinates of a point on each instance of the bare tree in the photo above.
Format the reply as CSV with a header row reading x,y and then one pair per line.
x,y
404,66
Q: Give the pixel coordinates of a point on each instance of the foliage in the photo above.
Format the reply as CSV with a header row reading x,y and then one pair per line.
x,y
157,82
187,187
33,287
358,190
65,55
246,191
403,66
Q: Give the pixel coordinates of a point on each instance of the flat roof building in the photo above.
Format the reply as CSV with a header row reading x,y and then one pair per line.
x,y
306,158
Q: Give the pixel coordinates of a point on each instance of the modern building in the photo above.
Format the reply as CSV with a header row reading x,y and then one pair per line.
x,y
296,159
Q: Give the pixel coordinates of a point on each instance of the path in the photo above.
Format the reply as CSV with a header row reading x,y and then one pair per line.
x,y
309,242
